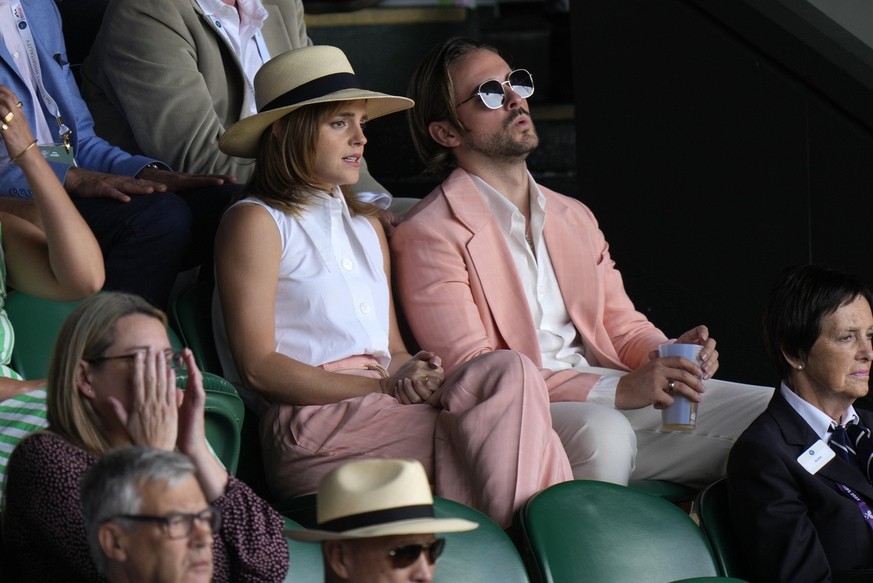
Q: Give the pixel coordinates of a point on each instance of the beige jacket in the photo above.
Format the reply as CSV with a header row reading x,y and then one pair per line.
x,y
160,80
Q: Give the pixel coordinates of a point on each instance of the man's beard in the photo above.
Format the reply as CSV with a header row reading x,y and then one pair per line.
x,y
502,145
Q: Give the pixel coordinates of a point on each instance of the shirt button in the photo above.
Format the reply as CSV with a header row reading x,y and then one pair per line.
x,y
347,264
365,308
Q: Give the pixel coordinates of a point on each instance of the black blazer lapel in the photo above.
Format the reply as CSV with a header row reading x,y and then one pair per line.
x,y
798,433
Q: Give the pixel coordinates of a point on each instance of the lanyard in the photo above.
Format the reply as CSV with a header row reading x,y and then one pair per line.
x,y
30,46
862,506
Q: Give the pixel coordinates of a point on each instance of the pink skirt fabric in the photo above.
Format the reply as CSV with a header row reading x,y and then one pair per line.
x,y
490,445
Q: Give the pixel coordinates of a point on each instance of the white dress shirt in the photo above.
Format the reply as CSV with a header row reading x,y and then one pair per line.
x,y
820,421
332,294
238,25
561,347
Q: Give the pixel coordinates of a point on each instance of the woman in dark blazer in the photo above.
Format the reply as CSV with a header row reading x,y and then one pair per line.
x,y
798,507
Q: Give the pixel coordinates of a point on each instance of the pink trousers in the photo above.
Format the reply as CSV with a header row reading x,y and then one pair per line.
x,y
490,445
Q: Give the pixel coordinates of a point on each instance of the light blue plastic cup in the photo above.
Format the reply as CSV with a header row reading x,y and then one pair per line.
x,y
682,414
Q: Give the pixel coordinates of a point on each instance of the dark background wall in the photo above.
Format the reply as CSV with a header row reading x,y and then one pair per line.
x,y
717,147
384,45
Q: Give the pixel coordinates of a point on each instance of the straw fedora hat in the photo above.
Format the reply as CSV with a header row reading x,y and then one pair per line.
x,y
300,77
376,497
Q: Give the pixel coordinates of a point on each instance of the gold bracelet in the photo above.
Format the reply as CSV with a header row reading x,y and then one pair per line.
x,y
22,152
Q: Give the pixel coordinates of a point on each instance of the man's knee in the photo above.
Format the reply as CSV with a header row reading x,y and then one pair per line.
x,y
165,216
599,441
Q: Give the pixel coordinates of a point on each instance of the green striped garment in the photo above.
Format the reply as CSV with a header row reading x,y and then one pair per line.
x,y
22,414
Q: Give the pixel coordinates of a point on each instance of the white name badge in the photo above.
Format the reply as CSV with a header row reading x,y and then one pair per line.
x,y
816,457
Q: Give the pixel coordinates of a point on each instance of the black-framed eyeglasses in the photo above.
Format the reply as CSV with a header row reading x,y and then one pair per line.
x,y
175,360
493,95
402,557
177,524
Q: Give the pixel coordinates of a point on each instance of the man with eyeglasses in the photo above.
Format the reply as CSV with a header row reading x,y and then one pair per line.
x,y
147,519
492,260
376,523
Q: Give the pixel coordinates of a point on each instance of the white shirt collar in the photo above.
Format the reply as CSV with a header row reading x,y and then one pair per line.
x,y
507,214
820,421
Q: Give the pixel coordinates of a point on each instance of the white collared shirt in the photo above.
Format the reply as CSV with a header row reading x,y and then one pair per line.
x,y
820,421
561,347
15,46
238,25
332,295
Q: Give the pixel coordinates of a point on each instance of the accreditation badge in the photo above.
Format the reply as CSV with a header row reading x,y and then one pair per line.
x,y
58,153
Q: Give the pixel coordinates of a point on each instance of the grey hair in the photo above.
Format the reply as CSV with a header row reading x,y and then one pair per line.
x,y
112,487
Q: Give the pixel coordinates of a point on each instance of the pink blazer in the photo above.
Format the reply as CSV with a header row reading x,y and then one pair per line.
x,y
462,296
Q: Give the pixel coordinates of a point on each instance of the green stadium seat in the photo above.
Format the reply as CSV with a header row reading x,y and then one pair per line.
x,y
596,531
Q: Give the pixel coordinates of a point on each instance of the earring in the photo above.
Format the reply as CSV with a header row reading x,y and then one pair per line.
x,y
799,367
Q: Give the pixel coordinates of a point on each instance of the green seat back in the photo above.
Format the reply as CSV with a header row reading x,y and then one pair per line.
x,y
305,559
191,317
603,532
36,323
667,490
483,554
713,510
224,415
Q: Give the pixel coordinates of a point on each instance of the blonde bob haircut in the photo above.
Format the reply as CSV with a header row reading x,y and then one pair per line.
x,y
87,333
283,176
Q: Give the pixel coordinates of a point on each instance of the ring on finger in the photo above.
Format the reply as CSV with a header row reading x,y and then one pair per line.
x,y
8,117
670,387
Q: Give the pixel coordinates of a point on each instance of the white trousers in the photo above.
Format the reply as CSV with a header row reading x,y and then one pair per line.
x,y
605,444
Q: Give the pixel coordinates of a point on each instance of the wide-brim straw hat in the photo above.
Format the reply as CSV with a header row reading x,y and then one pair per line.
x,y
377,497
304,76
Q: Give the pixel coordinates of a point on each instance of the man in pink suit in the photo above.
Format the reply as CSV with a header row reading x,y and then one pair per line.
x,y
492,260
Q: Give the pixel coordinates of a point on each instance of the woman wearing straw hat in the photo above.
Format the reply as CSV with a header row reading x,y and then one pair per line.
x,y
305,322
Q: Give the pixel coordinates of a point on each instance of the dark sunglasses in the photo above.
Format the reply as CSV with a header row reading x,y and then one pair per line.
x,y
402,557
493,95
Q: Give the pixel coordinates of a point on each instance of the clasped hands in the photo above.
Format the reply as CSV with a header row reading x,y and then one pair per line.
x,y
417,379
651,384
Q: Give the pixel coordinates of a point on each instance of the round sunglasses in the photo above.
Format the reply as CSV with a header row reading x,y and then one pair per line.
x,y
493,95
404,556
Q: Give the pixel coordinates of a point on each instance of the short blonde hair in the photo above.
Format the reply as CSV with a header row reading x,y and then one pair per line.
x,y
86,333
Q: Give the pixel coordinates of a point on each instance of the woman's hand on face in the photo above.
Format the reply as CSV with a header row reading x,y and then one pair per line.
x,y
192,431
418,378
153,419
17,134
211,474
